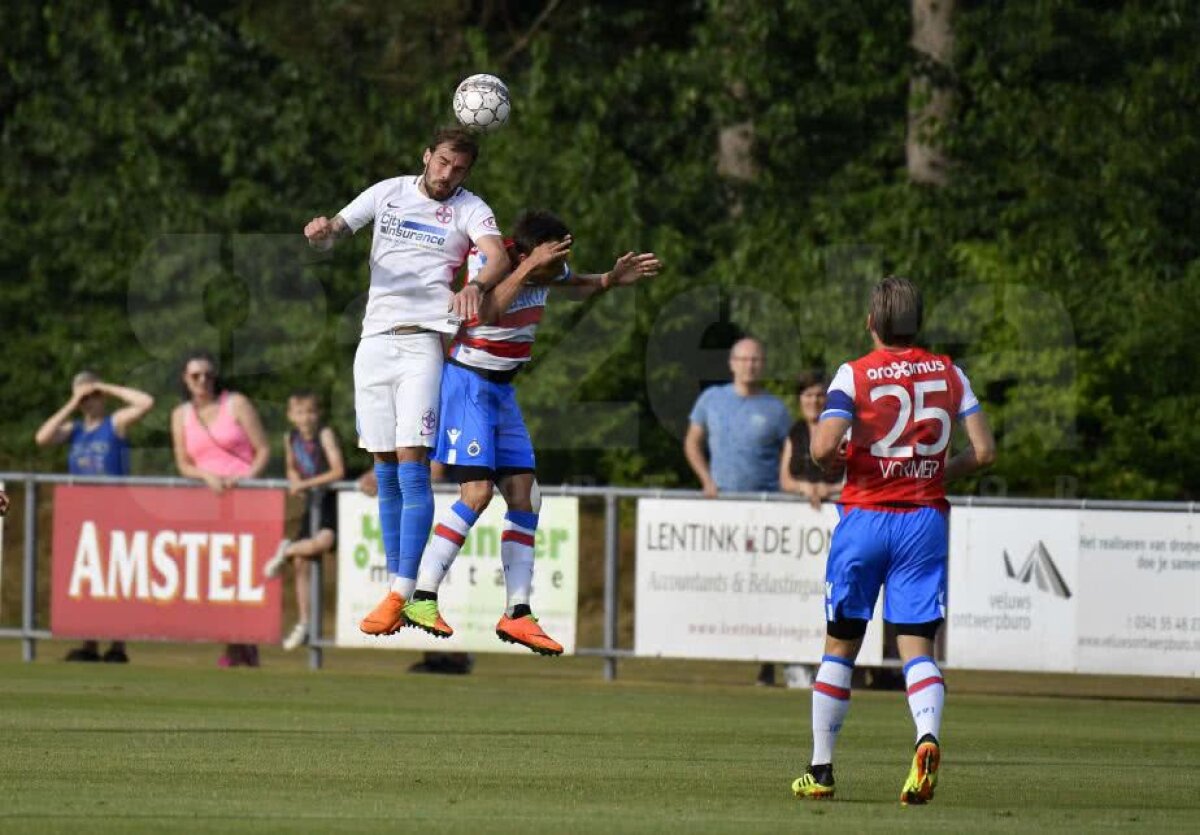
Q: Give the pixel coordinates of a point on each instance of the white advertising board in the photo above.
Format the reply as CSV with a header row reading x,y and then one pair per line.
x,y
735,580
1013,582
1139,593
472,597
2,542
1074,591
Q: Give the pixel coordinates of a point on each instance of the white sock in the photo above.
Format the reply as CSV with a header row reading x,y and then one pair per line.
x,y
926,694
449,534
516,553
404,586
830,704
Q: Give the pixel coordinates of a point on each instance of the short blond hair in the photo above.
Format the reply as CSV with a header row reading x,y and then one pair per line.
x,y
83,377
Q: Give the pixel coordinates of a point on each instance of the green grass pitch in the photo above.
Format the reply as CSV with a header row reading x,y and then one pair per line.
x,y
170,743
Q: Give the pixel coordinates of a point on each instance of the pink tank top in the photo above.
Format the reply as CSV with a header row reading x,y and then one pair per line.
x,y
223,448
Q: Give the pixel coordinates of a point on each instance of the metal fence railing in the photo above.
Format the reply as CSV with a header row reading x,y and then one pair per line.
x,y
29,632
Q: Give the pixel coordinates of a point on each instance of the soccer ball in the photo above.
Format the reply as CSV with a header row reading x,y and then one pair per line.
x,y
481,102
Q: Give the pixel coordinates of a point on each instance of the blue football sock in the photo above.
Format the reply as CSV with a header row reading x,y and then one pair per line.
x,y
417,519
390,509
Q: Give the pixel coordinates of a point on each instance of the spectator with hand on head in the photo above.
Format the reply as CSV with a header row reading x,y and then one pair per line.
x,y
96,446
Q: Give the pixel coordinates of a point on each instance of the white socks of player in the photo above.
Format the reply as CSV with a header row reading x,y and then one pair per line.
x,y
830,704
403,586
516,552
926,694
449,534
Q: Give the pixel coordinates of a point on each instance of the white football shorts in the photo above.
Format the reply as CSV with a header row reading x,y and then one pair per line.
x,y
397,383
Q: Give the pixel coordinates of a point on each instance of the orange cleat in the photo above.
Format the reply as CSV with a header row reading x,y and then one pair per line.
x,y
385,619
922,777
526,632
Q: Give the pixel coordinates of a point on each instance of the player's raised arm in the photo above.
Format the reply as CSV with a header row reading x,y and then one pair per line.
x,y
465,303
628,270
544,254
981,449
322,233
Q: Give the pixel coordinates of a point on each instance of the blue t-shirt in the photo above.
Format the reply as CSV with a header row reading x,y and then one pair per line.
x,y
98,452
745,437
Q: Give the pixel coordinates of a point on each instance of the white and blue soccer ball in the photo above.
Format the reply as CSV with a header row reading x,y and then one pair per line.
x,y
481,102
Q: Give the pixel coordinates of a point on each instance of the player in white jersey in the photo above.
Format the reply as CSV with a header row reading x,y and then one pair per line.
x,y
423,227
483,439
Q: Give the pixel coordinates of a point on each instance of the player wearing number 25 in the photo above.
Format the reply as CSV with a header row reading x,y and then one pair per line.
x,y
899,403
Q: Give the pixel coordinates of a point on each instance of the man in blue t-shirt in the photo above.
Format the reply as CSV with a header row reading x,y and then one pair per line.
x,y
96,445
743,426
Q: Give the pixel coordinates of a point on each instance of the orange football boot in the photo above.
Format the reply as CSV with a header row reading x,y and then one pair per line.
x,y
385,619
526,632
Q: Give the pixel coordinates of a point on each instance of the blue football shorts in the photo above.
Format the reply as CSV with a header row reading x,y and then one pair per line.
x,y
481,423
904,552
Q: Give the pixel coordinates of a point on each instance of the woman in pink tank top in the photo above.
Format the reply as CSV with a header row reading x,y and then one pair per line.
x,y
219,439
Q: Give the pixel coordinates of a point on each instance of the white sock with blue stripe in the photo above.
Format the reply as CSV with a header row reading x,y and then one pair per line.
x,y
517,544
449,534
830,704
926,694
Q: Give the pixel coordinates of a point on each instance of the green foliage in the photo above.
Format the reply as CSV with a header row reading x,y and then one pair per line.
x,y
158,160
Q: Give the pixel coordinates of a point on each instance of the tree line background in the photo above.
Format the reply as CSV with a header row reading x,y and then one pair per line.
x,y
1032,165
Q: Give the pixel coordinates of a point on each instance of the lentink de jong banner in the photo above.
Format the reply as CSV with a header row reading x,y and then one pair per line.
x,y
472,597
174,563
738,580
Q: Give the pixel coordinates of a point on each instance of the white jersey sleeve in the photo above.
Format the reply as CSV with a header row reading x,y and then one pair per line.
x,y
479,221
840,400
970,403
361,210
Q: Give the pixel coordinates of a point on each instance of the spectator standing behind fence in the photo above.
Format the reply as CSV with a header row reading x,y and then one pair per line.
x,y
798,473
744,428
314,460
218,439
96,445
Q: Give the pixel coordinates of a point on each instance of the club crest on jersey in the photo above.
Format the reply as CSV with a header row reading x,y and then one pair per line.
x,y
490,222
473,449
444,213
453,434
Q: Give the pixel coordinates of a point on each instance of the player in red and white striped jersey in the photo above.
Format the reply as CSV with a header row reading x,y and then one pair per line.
x,y
482,436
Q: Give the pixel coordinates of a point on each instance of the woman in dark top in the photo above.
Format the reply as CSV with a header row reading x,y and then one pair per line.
x,y
798,473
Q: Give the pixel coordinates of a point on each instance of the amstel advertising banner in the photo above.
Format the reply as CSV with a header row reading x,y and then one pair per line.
x,y
735,579
1074,591
472,597
176,563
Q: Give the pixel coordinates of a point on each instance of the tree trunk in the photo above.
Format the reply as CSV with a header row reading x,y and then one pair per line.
x,y
931,92
735,152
